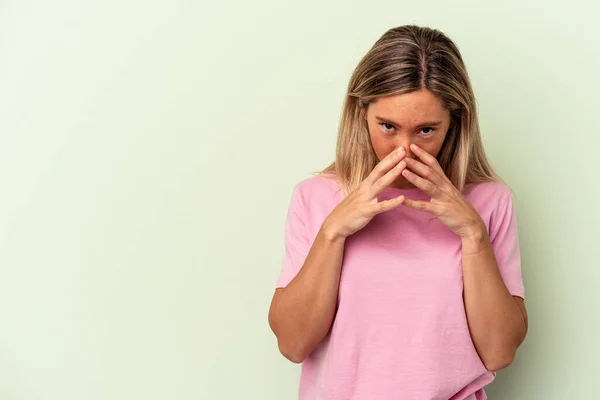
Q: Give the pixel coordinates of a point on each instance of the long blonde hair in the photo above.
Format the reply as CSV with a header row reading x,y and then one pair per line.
x,y
406,59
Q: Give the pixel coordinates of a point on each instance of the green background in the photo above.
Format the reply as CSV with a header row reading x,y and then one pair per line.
x,y
147,155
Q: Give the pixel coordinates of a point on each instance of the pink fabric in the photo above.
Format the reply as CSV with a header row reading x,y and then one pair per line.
x,y
400,331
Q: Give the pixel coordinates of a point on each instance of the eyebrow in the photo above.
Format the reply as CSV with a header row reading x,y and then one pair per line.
x,y
431,123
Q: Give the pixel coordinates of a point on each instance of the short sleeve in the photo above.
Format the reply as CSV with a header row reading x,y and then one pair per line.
x,y
504,238
297,244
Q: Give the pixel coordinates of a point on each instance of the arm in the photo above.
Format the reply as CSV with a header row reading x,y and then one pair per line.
x,y
497,321
301,314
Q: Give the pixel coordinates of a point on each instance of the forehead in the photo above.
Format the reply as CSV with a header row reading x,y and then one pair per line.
x,y
418,105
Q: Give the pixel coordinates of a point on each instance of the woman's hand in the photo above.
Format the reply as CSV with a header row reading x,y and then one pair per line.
x,y
447,203
361,205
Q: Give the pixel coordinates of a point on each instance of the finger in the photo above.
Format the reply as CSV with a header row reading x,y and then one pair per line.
x,y
387,163
387,205
428,159
419,205
386,180
427,173
424,184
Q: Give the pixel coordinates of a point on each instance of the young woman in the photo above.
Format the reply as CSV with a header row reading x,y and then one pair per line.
x,y
401,277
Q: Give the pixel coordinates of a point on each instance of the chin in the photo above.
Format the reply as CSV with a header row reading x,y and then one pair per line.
x,y
402,184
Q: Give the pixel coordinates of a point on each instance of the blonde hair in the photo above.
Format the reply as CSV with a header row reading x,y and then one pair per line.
x,y
405,59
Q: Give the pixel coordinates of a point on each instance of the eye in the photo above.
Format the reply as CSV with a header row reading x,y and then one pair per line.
x,y
426,134
386,127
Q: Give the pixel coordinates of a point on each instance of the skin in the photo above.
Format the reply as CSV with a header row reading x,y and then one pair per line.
x,y
403,114
302,313
497,321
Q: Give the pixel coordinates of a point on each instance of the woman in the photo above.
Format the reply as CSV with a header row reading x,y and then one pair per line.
x,y
401,277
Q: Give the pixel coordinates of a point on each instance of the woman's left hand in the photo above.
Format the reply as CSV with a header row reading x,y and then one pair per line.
x,y
447,203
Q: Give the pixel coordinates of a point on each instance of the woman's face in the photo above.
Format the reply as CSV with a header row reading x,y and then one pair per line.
x,y
400,120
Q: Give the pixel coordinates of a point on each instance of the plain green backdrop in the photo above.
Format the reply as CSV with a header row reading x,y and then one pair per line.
x,y
147,154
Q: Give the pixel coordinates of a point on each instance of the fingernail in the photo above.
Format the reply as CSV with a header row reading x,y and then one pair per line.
x,y
400,150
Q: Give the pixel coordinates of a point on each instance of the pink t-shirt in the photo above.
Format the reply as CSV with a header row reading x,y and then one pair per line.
x,y
400,331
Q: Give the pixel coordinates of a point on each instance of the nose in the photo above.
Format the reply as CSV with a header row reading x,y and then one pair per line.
x,y
402,142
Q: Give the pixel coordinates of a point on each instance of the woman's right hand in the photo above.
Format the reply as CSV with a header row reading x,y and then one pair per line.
x,y
361,205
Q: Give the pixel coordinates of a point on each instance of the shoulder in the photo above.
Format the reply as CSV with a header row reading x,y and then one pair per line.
x,y
488,191
317,196
490,197
317,187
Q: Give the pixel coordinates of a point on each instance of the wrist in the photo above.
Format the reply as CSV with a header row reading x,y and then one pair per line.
x,y
330,234
476,241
